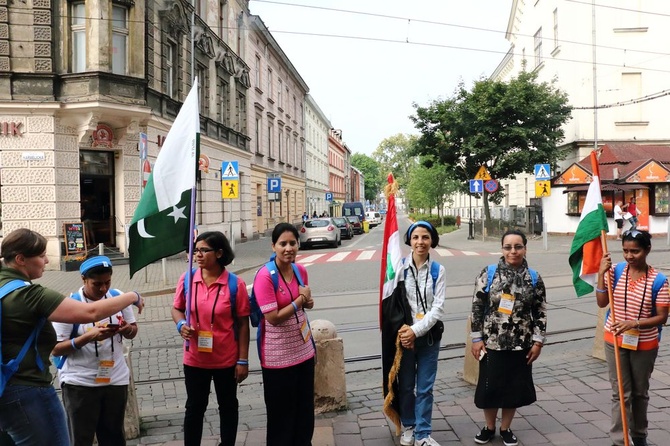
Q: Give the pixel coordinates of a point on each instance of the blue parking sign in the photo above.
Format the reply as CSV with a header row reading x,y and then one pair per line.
x,y
274,184
329,196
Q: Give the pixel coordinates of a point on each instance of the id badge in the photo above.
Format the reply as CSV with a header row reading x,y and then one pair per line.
x,y
506,304
205,341
630,339
419,316
305,331
104,375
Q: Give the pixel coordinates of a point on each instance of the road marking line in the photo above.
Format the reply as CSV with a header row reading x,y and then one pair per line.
x,y
444,252
470,253
311,258
365,255
338,257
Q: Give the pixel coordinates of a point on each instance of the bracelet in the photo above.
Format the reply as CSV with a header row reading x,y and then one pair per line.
x,y
598,290
180,324
139,299
638,323
74,346
295,307
475,340
242,362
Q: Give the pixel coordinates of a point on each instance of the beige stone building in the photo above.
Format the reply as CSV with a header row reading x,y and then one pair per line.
x,y
80,81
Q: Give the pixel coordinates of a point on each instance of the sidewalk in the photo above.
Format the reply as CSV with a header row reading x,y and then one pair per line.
x,y
573,406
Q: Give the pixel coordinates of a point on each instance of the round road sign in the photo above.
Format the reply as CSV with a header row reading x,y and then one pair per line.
x,y
491,186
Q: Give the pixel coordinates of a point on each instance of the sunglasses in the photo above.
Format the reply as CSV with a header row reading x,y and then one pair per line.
x,y
203,251
632,233
516,247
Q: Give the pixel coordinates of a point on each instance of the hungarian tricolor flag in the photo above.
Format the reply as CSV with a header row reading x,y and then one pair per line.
x,y
586,251
393,306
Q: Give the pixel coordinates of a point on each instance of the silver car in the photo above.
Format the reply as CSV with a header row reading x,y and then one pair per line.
x,y
319,231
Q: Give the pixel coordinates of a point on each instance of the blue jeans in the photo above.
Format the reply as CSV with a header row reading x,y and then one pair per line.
x,y
418,368
33,416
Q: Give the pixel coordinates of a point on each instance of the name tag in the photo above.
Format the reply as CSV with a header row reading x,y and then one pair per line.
x,y
506,304
419,316
631,338
104,375
205,341
305,331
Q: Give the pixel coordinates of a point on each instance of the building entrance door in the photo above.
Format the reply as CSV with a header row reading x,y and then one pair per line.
x,y
97,196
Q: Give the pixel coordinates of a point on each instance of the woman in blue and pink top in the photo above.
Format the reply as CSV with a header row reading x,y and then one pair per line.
x,y
287,348
635,286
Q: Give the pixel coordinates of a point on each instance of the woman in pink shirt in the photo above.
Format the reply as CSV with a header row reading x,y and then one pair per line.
x,y
218,336
286,345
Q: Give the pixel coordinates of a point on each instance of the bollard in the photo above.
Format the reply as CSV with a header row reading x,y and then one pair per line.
x,y
470,364
599,340
131,421
330,390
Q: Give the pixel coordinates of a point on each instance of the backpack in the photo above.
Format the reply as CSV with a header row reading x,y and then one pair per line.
x,y
655,288
59,361
434,272
13,365
232,287
491,271
256,314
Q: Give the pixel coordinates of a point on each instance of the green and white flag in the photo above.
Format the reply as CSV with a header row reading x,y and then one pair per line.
x,y
161,224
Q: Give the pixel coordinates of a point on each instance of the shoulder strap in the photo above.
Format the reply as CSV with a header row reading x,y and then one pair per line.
x,y
533,276
618,271
490,272
434,273
12,285
298,276
186,283
232,290
272,267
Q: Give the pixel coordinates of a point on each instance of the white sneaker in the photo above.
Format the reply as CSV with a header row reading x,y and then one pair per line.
x,y
407,437
428,441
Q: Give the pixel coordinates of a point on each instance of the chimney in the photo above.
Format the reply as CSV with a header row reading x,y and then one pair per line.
x,y
615,173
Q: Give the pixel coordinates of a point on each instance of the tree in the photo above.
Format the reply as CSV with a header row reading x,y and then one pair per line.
x,y
371,172
507,126
395,155
428,187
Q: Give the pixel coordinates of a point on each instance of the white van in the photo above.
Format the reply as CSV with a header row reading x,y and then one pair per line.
x,y
373,218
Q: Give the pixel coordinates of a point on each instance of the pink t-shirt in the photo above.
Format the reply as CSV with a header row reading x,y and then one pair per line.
x,y
224,351
281,345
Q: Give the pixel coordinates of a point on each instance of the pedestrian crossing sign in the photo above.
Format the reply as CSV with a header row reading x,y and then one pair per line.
x,y
230,170
230,189
542,172
483,174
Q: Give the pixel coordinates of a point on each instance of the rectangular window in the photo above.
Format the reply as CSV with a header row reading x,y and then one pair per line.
x,y
224,103
223,18
257,73
202,93
295,109
661,196
270,83
258,134
241,112
279,93
119,39
538,47
280,139
78,30
171,69
270,148
556,28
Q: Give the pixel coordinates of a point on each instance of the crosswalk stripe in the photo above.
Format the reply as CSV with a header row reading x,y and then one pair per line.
x,y
365,255
443,252
470,253
339,256
311,259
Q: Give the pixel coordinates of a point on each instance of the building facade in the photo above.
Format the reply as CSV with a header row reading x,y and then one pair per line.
x,y
338,154
316,136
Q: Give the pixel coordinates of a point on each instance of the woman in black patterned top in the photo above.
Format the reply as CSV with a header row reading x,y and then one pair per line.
x,y
509,323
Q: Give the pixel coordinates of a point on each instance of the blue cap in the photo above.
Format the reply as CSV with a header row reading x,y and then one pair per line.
x,y
94,262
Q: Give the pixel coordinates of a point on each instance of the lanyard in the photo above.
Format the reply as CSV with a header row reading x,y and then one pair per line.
x,y
289,291
625,293
216,299
419,297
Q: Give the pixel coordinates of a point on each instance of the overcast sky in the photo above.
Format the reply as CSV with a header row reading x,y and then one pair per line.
x,y
367,80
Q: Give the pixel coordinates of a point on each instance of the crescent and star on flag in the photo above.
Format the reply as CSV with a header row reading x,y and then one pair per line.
x,y
177,213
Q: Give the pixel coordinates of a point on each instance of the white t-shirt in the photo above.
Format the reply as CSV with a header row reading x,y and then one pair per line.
x,y
81,366
618,212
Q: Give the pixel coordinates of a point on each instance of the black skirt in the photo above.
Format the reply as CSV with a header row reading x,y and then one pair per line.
x,y
505,380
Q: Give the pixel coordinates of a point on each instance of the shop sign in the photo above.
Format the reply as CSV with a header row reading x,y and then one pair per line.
x,y
10,128
33,156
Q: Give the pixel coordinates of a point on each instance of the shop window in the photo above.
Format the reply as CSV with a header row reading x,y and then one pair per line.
x,y
573,203
119,39
661,195
78,33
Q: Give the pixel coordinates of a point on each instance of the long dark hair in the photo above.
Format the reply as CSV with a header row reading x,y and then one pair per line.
x,y
216,240
22,241
281,228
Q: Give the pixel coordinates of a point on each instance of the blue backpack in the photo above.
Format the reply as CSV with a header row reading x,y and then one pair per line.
x,y
232,287
256,313
491,271
13,365
59,361
655,288
434,272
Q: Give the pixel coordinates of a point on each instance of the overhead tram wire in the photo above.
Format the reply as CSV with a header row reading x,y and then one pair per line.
x,y
619,8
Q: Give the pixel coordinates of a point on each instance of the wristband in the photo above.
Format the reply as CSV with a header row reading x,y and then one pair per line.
x,y
74,346
242,362
180,324
139,299
598,290
295,307
476,340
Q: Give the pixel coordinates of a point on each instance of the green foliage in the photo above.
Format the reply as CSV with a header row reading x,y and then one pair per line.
x,y
449,220
394,155
428,187
507,126
371,173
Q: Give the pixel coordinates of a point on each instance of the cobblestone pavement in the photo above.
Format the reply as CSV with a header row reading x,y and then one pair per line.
x,y
573,406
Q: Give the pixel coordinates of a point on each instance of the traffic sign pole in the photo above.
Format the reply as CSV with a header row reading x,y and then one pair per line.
x,y
471,224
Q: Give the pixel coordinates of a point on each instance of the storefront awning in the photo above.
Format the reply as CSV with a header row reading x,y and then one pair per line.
x,y
607,187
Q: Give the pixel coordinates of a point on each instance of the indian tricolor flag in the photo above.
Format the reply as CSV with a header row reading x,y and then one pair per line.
x,y
587,251
393,306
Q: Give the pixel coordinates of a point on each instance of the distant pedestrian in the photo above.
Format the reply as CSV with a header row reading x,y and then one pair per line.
x,y
509,323
641,300
618,218
305,217
633,213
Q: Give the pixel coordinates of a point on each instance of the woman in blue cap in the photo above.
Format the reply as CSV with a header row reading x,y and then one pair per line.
x,y
425,286
94,377
30,410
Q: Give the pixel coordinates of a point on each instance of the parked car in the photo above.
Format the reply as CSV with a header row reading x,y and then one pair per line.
x,y
355,224
346,230
320,231
374,218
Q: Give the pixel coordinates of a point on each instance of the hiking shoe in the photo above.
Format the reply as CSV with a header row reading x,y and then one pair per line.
x,y
407,437
509,439
485,435
428,441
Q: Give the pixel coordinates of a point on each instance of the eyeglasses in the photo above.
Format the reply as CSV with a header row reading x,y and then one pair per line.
x,y
515,247
203,251
632,233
